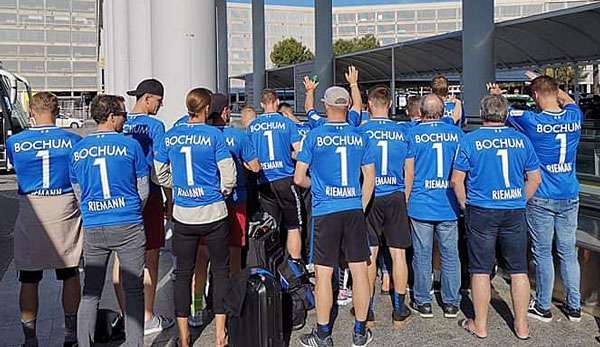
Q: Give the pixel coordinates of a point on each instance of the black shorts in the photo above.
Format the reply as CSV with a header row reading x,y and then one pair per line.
x,y
37,275
387,218
281,200
487,226
344,232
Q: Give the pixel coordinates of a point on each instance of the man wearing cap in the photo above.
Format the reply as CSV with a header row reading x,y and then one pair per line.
x,y
145,128
336,153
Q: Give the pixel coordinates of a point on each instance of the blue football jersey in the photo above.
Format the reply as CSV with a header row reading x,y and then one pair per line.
x,y
239,145
555,137
40,156
303,129
433,146
335,153
182,120
496,160
448,111
106,166
389,138
273,136
148,132
193,150
354,118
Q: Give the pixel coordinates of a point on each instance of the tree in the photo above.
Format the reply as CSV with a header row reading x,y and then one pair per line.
x,y
290,51
341,46
565,75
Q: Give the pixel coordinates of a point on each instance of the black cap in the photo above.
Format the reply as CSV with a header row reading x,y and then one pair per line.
x,y
149,86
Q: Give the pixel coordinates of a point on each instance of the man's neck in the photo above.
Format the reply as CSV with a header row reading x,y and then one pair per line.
x,y
139,109
380,114
549,105
105,127
336,118
197,120
429,120
493,124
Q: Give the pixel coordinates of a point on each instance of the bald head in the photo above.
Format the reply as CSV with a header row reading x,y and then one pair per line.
x,y
432,107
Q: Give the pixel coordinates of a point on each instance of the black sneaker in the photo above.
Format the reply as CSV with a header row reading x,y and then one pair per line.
x,y
359,340
535,311
574,315
450,311
313,340
401,315
423,310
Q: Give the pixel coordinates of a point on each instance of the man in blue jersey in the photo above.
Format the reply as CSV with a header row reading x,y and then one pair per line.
x,y
336,154
276,140
47,231
432,206
193,158
413,110
387,220
453,111
354,116
502,172
110,175
145,128
552,213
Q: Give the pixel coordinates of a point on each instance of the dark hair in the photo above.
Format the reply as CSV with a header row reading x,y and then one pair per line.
x,y
413,106
381,96
197,100
103,105
544,85
283,105
432,107
268,96
494,108
44,102
439,86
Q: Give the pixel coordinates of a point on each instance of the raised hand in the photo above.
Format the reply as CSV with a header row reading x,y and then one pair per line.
x,y
352,75
494,88
309,84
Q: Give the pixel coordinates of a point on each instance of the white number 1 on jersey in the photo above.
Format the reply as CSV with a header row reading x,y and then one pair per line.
x,y
503,154
439,150
343,164
562,138
384,157
269,135
189,172
101,163
45,155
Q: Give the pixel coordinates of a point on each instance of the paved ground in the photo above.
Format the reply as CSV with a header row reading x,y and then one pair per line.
x,y
432,332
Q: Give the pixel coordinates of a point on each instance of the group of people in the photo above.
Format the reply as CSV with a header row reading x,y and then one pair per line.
x,y
373,185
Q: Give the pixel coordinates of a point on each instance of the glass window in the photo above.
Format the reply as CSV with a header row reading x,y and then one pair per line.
x,y
446,27
366,29
239,28
425,27
10,65
346,18
84,36
387,28
32,51
32,35
386,16
31,4
510,11
406,15
406,28
84,6
84,21
387,41
366,17
555,6
58,5
58,20
32,66
84,52
446,13
59,51
84,66
9,50
59,66
425,14
31,19
59,36
8,3
59,82
402,38
85,82
529,10
36,82
9,35
8,18
347,30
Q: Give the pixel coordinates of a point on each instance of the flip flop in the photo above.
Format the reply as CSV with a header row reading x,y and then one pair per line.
x,y
522,338
464,323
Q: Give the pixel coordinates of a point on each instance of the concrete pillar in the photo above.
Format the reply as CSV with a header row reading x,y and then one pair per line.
x,y
258,50
478,52
183,50
117,46
323,48
140,41
222,49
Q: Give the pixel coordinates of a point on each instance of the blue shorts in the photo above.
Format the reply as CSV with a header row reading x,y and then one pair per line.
x,y
487,227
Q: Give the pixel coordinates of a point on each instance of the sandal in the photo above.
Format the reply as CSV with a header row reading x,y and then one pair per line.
x,y
464,323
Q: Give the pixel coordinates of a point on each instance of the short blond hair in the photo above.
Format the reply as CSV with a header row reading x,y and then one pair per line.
x,y
44,102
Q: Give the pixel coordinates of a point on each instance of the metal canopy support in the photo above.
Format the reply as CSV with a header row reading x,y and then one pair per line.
x,y
258,50
393,82
324,47
222,51
478,52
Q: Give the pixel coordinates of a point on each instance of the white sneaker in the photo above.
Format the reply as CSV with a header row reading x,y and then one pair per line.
x,y
157,324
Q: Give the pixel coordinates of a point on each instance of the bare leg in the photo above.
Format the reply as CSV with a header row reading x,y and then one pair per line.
x,y
28,300
221,340
200,272
399,269
360,289
294,243
519,291
116,277
71,295
150,281
372,270
184,331
481,291
385,282
324,293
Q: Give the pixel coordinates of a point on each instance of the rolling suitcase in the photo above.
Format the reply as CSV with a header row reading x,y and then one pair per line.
x,y
260,323
264,244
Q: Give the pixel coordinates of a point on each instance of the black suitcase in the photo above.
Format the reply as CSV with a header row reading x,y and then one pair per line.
x,y
264,244
261,322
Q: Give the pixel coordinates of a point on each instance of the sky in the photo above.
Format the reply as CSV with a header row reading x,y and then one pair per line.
x,y
339,2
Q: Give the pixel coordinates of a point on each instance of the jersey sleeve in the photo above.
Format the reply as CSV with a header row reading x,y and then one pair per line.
x,y
411,152
575,108
221,151
141,165
314,119
532,162
370,152
519,119
305,154
72,173
462,158
295,136
162,153
248,150
354,118
157,134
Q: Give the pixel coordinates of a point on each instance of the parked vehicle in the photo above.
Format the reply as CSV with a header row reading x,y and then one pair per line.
x,y
68,122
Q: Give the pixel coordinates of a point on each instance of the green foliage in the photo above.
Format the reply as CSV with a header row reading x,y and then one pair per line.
x,y
565,75
290,51
341,46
